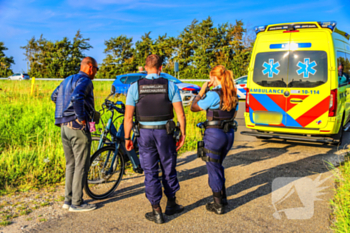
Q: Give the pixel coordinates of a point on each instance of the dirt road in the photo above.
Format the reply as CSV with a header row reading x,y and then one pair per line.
x,y
261,197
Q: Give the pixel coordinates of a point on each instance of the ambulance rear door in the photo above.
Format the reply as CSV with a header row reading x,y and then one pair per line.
x,y
308,87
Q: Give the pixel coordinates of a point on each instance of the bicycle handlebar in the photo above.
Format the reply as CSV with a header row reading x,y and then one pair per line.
x,y
110,105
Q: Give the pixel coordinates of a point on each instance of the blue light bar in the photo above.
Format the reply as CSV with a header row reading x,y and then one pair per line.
x,y
287,46
278,46
260,29
330,24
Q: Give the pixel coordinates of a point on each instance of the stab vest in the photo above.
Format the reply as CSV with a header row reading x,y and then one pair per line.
x,y
218,114
153,103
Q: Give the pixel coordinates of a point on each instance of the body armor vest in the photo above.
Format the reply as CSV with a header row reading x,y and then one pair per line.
x,y
153,103
218,114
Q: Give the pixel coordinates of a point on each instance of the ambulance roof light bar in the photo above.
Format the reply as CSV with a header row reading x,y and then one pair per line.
x,y
260,29
328,24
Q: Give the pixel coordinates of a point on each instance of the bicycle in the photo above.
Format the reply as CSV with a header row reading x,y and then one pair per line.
x,y
106,171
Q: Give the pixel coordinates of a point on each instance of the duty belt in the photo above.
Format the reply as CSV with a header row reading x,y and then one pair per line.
x,y
213,124
224,124
152,126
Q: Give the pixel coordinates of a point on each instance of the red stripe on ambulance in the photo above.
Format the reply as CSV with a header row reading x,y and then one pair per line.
x,y
315,112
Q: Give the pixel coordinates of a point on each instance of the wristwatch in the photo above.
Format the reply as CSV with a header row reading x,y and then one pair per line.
x,y
127,139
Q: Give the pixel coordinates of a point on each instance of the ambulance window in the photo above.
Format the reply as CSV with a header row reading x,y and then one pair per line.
x,y
343,69
270,69
307,68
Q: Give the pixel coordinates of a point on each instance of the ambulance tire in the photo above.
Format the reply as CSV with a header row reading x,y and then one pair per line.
x,y
339,135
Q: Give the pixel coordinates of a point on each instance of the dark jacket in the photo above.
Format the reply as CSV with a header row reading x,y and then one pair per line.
x,y
74,98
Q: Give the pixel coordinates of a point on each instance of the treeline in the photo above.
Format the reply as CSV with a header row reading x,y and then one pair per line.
x,y
198,48
5,62
58,59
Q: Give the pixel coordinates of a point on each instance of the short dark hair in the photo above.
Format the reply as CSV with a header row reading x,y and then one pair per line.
x,y
88,60
154,60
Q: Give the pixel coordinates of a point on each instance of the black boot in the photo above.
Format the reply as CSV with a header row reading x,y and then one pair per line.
x,y
156,215
138,169
224,196
172,207
216,207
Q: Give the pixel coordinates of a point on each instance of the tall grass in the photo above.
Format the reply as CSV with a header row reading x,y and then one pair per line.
x,y
341,201
31,153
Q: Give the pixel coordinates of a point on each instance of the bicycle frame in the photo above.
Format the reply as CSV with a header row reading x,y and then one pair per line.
x,y
117,140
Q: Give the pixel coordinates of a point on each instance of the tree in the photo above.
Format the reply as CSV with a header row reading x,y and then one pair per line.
x,y
5,62
119,57
58,59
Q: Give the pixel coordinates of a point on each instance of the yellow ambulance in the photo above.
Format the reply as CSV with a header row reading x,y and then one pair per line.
x,y
298,82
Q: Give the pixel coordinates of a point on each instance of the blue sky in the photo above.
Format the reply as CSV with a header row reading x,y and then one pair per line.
x,y
100,20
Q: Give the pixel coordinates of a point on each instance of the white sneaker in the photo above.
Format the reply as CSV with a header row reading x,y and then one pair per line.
x,y
82,208
66,205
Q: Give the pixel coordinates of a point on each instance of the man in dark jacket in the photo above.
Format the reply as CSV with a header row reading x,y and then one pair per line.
x,y
74,101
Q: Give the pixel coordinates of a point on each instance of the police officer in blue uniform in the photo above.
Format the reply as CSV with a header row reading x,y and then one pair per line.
x,y
154,99
221,104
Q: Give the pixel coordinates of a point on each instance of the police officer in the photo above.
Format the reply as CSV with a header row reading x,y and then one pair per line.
x,y
154,98
221,104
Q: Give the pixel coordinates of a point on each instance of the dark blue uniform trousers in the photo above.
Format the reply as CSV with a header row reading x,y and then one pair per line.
x,y
217,140
155,145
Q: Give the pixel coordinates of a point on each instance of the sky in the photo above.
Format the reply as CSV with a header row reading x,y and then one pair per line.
x,y
100,20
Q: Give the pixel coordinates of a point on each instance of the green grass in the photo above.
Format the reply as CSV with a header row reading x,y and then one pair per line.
x,y
341,201
31,153
5,223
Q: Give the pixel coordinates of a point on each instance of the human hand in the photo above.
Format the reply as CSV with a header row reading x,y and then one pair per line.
x,y
83,122
203,89
180,143
129,145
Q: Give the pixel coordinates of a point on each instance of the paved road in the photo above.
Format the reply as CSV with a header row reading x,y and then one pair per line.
x,y
259,200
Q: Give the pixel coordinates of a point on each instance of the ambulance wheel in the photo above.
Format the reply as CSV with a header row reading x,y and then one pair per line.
x,y
339,136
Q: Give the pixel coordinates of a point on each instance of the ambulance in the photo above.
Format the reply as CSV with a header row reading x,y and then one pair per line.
x,y
298,84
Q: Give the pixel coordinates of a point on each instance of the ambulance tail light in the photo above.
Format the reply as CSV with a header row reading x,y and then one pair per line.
x,y
333,103
247,101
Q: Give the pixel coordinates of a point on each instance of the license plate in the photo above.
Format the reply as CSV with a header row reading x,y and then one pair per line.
x,y
270,118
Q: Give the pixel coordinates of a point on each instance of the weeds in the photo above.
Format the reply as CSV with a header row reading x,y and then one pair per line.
x,y
5,223
341,200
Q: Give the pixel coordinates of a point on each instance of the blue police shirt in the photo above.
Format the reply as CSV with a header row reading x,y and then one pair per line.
x,y
212,100
133,96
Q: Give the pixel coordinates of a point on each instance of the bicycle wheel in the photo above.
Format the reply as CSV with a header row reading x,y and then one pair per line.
x,y
104,175
94,144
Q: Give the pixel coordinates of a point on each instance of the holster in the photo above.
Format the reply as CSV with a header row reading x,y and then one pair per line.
x,y
136,130
202,153
200,149
170,127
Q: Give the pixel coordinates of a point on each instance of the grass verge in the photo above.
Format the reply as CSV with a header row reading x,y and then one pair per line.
x,y
341,201
31,152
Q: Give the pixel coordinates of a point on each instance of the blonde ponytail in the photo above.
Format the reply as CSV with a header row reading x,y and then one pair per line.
x,y
229,97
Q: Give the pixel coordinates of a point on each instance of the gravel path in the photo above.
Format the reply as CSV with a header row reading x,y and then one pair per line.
x,y
250,170
253,168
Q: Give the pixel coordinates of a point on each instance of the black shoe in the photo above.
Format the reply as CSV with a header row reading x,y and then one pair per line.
x,y
155,216
172,207
224,197
216,207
